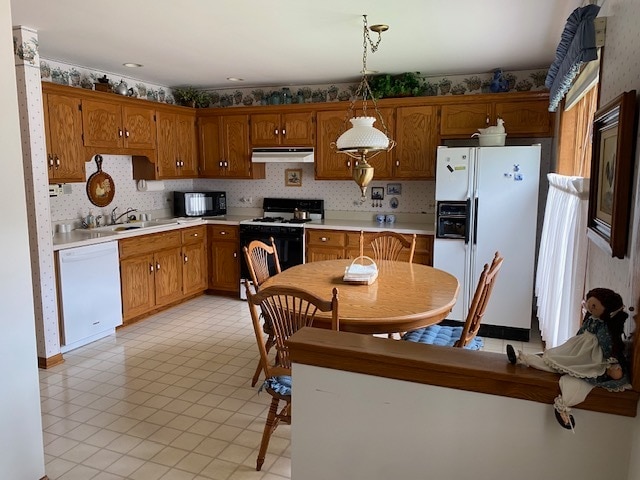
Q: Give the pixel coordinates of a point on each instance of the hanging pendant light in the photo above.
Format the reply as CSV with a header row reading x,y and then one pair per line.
x,y
363,140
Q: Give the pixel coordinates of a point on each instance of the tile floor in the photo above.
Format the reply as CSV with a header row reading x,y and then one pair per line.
x,y
168,398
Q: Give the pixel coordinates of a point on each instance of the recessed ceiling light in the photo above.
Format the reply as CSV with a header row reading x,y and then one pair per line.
x,y
132,65
235,79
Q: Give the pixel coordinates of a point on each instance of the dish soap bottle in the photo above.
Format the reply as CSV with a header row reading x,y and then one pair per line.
x,y
91,220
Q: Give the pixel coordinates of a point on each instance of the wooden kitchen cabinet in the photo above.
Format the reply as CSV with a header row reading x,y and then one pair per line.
x,y
417,139
295,129
338,244
413,129
150,272
224,258
224,148
325,245
523,117
177,145
112,125
194,258
63,134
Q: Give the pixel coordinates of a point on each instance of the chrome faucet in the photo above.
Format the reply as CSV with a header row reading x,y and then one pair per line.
x,y
115,218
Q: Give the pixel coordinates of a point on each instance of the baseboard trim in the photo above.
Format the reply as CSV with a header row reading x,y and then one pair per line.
x,y
50,362
497,331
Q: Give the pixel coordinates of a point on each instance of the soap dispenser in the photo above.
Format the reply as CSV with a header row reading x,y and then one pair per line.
x,y
91,220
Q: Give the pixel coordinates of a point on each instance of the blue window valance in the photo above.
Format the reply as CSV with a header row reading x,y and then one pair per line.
x,y
577,46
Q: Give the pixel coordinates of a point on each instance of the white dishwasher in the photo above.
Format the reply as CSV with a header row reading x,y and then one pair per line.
x,y
89,293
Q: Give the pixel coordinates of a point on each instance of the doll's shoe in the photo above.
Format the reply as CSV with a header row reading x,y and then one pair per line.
x,y
563,424
511,354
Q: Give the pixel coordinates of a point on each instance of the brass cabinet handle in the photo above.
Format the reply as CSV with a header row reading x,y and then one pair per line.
x,y
222,232
120,132
235,255
126,133
324,239
284,132
151,268
186,259
348,163
157,266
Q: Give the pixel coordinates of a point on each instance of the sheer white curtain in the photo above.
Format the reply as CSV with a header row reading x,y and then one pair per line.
x,y
562,258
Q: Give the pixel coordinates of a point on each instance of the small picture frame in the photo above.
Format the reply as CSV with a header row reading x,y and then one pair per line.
x,y
293,177
612,172
394,189
377,193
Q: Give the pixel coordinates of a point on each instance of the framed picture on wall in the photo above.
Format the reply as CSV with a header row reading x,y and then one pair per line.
x,y
611,173
377,193
394,188
293,177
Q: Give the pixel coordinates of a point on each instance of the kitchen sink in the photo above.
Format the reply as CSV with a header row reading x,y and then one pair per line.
x,y
133,226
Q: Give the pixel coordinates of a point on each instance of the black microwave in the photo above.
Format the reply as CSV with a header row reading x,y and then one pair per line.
x,y
199,204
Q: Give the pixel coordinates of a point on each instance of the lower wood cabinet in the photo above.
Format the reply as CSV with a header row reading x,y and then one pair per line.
x,y
162,268
224,258
338,244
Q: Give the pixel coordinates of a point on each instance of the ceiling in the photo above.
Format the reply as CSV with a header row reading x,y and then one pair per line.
x,y
293,42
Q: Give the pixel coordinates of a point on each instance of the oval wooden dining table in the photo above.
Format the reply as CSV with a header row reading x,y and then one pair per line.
x,y
405,296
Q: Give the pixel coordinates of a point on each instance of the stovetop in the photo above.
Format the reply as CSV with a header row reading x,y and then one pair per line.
x,y
280,212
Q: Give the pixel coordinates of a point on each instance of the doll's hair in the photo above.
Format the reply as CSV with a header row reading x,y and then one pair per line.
x,y
614,315
610,300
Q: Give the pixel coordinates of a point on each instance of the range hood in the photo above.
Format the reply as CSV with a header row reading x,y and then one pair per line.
x,y
282,155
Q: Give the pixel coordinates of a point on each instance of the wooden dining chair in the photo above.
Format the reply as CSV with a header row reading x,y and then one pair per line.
x,y
387,245
262,261
465,336
289,309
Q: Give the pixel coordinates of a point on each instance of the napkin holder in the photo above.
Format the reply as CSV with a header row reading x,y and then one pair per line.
x,y
359,273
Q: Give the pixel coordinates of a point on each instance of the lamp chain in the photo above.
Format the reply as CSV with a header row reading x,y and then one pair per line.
x,y
363,88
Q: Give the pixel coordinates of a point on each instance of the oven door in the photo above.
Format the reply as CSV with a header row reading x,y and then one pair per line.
x,y
289,242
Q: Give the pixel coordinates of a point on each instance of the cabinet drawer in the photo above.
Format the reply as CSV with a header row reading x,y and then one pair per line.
x,y
193,234
149,243
331,238
223,232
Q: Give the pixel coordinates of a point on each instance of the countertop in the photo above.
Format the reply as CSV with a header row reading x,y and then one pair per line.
x,y
82,237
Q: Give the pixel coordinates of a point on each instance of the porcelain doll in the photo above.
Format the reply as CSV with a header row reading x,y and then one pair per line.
x,y
594,357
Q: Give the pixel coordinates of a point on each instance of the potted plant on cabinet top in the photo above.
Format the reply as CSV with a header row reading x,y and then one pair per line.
x,y
191,97
408,84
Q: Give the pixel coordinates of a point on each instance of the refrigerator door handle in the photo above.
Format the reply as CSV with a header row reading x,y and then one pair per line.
x,y
475,222
467,223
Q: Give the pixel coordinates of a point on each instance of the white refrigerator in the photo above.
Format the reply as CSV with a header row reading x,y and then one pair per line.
x,y
487,201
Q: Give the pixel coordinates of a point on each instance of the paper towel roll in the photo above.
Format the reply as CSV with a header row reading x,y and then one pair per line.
x,y
150,185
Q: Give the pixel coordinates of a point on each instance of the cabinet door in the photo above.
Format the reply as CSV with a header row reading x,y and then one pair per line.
x,y
464,119
210,147
530,117
186,145
102,124
382,163
235,141
166,153
415,155
139,127
63,130
224,272
331,165
297,129
265,130
318,254
194,268
137,284
168,276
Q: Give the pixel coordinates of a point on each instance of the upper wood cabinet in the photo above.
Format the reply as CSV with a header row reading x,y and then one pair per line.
x,y
294,129
417,138
413,129
110,124
224,148
523,117
63,134
177,145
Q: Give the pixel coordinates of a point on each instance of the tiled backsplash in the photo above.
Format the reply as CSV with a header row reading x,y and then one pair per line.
x,y
414,197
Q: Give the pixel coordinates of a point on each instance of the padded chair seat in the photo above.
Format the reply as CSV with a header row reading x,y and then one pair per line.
x,y
280,385
441,335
